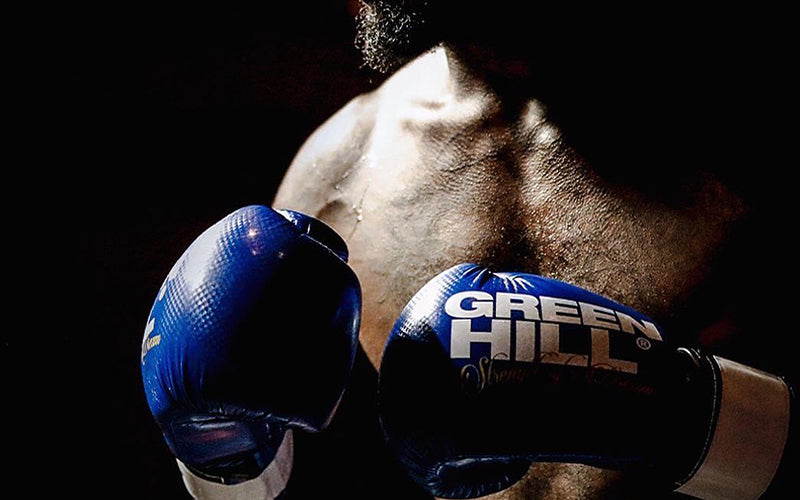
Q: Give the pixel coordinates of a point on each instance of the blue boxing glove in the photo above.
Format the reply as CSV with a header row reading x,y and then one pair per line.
x,y
252,334
486,372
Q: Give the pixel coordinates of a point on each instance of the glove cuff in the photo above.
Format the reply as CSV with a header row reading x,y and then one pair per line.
x,y
267,486
746,446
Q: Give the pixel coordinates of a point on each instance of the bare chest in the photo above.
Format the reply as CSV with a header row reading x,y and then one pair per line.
x,y
420,198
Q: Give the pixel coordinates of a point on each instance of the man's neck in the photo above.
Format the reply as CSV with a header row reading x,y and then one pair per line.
x,y
481,69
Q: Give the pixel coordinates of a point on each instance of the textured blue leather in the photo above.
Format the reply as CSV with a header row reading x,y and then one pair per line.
x,y
254,329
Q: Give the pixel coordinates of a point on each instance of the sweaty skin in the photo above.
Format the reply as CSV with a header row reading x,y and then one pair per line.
x,y
435,168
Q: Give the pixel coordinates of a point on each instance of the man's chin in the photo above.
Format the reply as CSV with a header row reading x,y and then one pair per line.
x,y
391,33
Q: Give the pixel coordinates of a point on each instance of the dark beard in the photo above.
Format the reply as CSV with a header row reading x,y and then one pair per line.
x,y
392,32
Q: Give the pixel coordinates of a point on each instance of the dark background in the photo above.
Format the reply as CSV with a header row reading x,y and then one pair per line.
x,y
168,118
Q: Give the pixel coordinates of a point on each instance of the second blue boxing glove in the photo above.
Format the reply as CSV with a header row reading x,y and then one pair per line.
x,y
252,334
486,372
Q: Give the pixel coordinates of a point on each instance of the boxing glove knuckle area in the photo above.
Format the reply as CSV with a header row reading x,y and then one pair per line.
x,y
254,313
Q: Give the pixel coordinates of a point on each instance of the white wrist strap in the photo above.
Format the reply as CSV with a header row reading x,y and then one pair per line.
x,y
747,443
267,486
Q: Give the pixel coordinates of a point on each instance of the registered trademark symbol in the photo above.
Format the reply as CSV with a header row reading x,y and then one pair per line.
x,y
643,343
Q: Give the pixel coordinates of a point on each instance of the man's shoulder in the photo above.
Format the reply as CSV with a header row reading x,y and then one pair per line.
x,y
419,82
412,95
343,135
327,155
